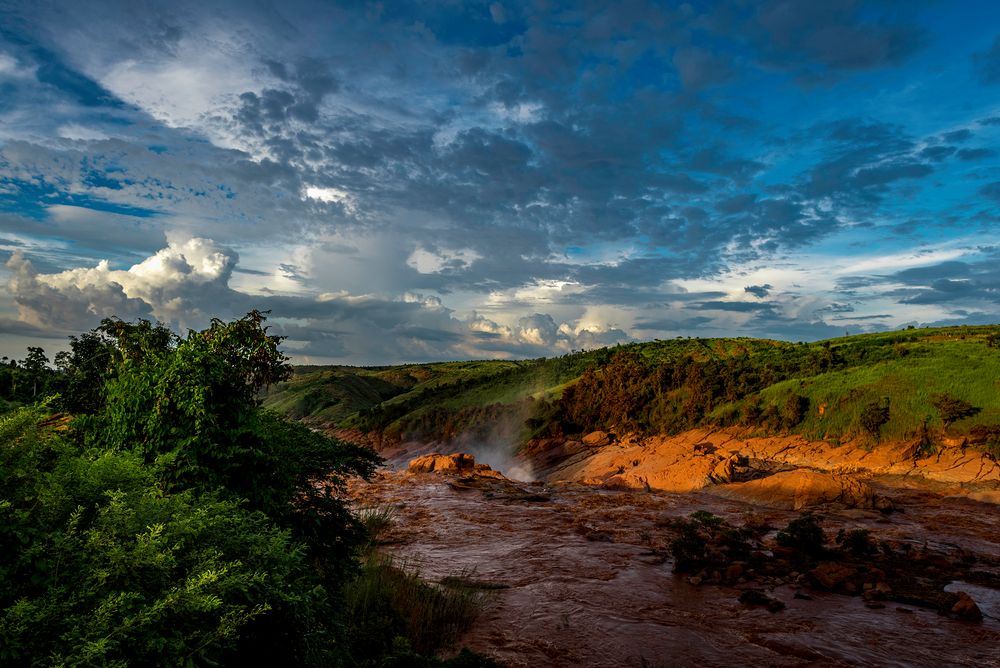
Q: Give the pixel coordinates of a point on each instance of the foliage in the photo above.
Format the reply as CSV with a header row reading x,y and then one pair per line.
x,y
706,541
951,408
101,566
874,416
856,542
804,535
192,410
819,390
794,411
172,520
388,601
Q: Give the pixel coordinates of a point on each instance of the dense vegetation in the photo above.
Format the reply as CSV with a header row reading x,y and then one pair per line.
x,y
925,383
153,513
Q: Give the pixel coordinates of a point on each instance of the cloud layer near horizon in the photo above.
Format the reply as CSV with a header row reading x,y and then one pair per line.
x,y
424,181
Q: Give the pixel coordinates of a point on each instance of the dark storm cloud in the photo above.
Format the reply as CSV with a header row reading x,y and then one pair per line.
x,y
970,154
991,190
736,307
759,291
826,36
953,283
988,63
370,151
937,153
957,135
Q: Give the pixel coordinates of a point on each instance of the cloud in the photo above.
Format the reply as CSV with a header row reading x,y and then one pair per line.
x,y
186,284
182,285
507,159
953,284
759,291
988,63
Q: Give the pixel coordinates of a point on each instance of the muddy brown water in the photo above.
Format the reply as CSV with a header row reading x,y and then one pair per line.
x,y
584,585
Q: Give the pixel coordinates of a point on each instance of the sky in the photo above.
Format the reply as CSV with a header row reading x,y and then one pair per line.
x,y
409,182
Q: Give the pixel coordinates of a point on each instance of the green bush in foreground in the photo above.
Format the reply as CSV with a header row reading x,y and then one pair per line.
x,y
172,521
101,566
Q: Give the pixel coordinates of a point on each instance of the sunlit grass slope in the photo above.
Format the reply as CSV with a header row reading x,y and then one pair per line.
x,y
675,384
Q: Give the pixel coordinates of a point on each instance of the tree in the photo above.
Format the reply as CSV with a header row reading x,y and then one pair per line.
x,y
874,415
222,526
194,410
36,366
951,408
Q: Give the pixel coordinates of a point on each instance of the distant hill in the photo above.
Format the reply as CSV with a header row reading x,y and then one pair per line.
x,y
915,383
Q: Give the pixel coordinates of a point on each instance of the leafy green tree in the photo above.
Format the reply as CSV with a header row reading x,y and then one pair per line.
x,y
951,408
180,422
36,370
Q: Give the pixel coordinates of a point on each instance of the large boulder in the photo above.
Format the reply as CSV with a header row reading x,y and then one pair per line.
x,y
458,462
801,489
597,439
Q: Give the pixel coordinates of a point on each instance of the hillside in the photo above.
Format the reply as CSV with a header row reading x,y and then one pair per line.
x,y
930,384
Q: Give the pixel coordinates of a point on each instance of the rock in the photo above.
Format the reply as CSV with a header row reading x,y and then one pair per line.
x,y
734,572
758,597
724,470
489,473
597,439
802,488
831,575
458,462
617,482
966,608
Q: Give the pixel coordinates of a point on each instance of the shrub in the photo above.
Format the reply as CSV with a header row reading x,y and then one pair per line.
x,y
951,408
795,409
102,567
856,542
873,416
388,601
804,535
705,541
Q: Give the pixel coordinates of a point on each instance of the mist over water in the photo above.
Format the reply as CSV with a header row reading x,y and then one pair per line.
x,y
497,447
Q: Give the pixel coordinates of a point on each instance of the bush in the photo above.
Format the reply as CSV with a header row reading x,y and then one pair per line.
x,y
178,523
856,542
950,408
706,541
804,535
102,567
794,411
873,416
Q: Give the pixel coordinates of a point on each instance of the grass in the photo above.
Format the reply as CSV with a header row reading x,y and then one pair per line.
x,y
966,369
906,366
389,600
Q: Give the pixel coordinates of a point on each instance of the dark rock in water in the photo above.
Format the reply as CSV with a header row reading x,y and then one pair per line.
x,y
966,608
831,575
758,597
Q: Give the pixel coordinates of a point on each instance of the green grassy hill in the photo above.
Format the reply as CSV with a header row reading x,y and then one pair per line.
x,y
879,386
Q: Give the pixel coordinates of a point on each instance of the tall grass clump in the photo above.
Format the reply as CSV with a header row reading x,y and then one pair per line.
x,y
387,600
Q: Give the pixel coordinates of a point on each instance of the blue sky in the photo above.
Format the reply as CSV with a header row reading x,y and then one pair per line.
x,y
439,180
